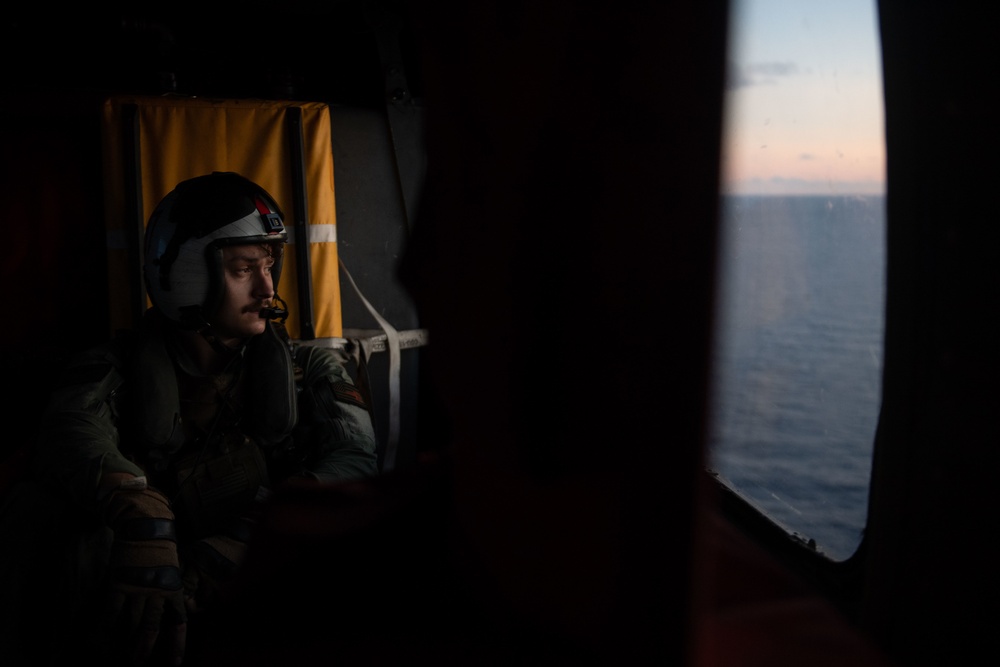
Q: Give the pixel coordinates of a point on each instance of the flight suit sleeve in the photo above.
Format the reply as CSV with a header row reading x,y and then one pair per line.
x,y
333,418
78,436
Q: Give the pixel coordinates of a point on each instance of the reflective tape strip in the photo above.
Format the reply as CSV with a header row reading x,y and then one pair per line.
x,y
317,234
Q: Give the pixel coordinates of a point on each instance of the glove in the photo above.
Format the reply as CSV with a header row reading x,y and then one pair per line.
x,y
146,596
211,563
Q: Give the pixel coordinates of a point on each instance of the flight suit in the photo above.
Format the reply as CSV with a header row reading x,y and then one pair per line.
x,y
213,445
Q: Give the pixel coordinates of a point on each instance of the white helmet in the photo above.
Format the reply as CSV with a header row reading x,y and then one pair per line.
x,y
185,237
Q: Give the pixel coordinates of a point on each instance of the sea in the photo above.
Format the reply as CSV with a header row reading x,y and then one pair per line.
x,y
797,363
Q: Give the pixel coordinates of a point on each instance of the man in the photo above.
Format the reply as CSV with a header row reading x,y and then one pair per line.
x,y
158,450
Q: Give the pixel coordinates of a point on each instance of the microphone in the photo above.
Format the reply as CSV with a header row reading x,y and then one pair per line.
x,y
272,313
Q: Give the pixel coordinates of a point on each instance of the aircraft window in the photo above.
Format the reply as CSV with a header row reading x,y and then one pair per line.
x,y
798,349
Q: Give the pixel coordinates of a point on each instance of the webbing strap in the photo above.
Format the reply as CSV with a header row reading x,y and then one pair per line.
x,y
367,347
147,528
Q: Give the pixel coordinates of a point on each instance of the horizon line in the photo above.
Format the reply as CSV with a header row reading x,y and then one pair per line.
x,y
799,186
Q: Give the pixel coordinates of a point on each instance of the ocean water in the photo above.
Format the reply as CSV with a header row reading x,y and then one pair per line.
x,y
798,360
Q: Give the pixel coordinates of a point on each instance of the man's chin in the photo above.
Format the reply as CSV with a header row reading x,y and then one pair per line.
x,y
254,328
242,330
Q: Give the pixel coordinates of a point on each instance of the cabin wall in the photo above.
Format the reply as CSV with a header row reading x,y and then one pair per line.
x,y
931,576
563,260
373,229
50,183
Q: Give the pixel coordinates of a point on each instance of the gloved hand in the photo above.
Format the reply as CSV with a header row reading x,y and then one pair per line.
x,y
211,563
146,601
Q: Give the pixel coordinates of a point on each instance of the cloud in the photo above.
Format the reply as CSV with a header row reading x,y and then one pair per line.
x,y
774,69
758,74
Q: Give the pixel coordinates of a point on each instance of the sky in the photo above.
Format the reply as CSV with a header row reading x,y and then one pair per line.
x,y
804,99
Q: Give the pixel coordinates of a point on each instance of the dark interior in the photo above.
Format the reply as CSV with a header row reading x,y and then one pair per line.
x,y
536,184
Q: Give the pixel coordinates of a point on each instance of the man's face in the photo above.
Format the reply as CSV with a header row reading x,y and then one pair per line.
x,y
247,287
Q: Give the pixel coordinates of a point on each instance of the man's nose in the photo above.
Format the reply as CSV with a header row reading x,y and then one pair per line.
x,y
263,285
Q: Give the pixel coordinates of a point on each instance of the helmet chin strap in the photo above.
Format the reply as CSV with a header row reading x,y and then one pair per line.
x,y
206,331
220,347
193,318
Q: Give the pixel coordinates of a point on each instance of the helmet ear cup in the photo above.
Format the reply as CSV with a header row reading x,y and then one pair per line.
x,y
177,283
185,236
214,293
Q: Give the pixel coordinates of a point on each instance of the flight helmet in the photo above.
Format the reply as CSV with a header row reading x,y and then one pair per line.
x,y
185,236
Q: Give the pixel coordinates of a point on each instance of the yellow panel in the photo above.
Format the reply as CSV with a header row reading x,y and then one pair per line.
x,y
180,138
